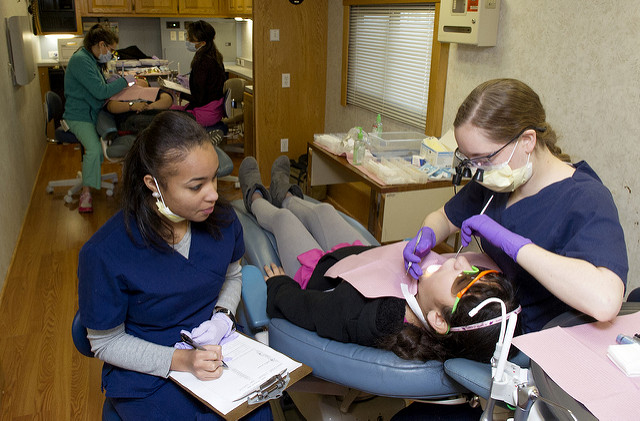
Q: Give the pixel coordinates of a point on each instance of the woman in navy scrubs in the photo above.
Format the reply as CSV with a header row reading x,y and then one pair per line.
x,y
551,226
168,261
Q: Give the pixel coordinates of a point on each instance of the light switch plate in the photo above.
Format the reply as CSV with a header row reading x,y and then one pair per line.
x,y
286,80
284,145
274,35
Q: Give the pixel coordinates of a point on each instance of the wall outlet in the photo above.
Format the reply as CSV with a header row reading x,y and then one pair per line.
x,y
284,145
53,54
286,80
181,35
173,35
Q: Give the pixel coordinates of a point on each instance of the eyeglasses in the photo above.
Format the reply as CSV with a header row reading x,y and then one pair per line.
x,y
465,289
463,164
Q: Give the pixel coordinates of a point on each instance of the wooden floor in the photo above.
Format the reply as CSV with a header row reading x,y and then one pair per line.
x,y
42,376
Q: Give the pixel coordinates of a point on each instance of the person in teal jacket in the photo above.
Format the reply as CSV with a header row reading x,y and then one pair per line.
x,y
85,91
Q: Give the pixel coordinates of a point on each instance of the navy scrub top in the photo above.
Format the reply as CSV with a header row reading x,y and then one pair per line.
x,y
154,293
575,217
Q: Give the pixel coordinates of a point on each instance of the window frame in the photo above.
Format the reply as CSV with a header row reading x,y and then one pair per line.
x,y
437,71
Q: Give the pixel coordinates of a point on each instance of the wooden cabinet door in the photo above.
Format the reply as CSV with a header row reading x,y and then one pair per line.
x,y
199,7
109,6
155,6
240,7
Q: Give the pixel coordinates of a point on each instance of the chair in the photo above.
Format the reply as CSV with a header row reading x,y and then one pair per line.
x,y
54,110
358,368
79,335
234,116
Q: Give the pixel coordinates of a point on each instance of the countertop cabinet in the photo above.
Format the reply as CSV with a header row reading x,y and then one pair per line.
x,y
240,7
203,8
199,7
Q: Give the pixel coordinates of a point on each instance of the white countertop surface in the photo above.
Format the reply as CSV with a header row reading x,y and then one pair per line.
x,y
245,72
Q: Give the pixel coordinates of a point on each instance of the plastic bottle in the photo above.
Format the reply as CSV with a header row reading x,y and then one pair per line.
x,y
358,148
377,126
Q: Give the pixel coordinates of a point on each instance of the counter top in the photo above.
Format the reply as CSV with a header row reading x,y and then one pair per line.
x,y
244,72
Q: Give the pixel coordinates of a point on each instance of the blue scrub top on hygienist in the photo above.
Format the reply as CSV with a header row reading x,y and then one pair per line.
x,y
575,217
154,293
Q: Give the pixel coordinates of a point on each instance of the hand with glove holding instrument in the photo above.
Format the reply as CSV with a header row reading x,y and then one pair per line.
x,y
416,249
216,331
493,232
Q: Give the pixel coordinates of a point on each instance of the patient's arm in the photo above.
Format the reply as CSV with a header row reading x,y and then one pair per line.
x,y
342,314
163,102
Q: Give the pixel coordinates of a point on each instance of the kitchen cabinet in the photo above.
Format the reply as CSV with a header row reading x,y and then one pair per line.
x,y
199,7
109,6
240,7
170,8
120,7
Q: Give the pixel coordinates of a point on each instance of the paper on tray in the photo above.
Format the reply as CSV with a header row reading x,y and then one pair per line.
x,y
576,359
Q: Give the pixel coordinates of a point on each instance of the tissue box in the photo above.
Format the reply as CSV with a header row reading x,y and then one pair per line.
x,y
436,153
395,144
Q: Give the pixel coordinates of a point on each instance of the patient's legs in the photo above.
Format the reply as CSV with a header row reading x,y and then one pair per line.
x,y
292,237
323,222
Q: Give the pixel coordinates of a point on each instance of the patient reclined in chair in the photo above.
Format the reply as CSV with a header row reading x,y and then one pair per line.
x,y
369,369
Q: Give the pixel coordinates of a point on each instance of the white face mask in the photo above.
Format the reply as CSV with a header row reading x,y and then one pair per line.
x,y
191,46
502,178
163,208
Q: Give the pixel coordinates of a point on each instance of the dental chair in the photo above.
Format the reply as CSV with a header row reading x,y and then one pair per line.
x,y
354,367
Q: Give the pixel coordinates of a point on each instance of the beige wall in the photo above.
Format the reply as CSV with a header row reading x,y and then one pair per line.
x,y
22,143
583,60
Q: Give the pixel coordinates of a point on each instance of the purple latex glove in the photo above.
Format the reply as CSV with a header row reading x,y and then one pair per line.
x,y
415,251
131,80
496,234
216,331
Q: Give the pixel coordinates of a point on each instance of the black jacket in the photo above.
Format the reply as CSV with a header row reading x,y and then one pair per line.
x,y
341,313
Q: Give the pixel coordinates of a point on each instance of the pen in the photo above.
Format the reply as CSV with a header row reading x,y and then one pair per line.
x,y
626,339
481,213
414,250
186,339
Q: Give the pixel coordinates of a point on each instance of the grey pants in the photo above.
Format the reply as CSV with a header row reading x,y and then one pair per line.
x,y
301,226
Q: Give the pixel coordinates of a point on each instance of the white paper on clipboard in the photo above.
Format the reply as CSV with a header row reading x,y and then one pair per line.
x,y
250,364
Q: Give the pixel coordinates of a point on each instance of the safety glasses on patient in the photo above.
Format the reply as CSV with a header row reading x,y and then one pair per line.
x,y
463,165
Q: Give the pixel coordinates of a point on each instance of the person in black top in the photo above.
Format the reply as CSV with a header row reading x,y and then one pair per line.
x,y
312,238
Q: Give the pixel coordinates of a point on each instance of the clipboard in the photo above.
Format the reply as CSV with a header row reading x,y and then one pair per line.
x,y
168,84
259,390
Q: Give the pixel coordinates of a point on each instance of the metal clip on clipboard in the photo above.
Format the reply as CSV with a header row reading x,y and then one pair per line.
x,y
272,388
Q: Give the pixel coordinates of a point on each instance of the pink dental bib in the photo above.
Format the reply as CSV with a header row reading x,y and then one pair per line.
x,y
380,272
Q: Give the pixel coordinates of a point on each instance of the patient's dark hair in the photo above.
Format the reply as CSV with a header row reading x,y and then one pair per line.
x,y
166,141
414,343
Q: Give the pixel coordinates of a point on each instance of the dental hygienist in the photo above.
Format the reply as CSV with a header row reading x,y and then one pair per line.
x,y
207,77
551,226
85,91
168,262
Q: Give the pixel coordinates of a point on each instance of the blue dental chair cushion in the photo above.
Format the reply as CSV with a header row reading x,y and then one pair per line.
x,y
370,370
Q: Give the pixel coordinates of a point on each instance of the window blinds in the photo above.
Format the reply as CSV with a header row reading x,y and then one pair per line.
x,y
390,59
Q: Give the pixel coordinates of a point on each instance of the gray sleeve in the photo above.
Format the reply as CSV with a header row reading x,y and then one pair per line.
x,y
231,291
118,348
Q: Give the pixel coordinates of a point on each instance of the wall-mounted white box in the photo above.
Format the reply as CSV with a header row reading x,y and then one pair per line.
x,y
469,22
